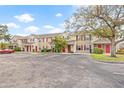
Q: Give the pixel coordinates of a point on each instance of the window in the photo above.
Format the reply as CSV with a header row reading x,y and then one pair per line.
x,y
77,37
50,39
90,37
33,39
82,36
46,39
68,37
79,47
87,37
86,47
43,39
46,47
39,40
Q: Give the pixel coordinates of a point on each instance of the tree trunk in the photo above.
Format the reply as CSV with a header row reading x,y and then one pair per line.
x,y
113,48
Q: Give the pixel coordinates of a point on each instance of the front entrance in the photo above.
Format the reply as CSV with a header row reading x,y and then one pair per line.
x,y
99,46
69,48
107,48
27,48
63,50
36,48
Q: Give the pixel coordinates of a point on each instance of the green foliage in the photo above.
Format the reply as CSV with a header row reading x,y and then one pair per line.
x,y
59,43
49,50
3,45
17,49
107,58
98,51
104,20
33,50
103,33
120,51
46,50
4,33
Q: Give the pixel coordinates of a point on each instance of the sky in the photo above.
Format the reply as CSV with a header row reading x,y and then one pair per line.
x,y
42,19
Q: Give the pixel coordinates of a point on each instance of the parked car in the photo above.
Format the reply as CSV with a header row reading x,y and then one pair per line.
x,y
6,51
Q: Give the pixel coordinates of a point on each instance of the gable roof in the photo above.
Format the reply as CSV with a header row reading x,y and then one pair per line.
x,y
101,41
47,35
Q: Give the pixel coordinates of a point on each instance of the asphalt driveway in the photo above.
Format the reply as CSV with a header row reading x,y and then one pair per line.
x,y
58,70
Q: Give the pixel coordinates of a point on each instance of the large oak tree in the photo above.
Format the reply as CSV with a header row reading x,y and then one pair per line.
x,y
106,21
4,35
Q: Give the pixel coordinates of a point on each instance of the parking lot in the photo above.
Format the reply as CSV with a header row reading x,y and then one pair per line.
x,y
58,70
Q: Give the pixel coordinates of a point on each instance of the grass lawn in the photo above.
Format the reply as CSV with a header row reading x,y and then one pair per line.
x,y
104,57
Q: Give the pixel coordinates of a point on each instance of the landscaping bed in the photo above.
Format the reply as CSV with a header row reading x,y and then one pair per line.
x,y
107,58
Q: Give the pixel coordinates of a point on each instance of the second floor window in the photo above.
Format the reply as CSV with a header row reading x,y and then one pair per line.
x,y
77,37
46,39
42,39
39,40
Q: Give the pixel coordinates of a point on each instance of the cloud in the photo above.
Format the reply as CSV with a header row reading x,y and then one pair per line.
x,y
52,29
12,25
32,29
59,15
25,18
48,27
56,30
62,25
19,34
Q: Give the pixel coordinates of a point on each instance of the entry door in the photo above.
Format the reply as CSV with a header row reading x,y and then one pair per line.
x,y
27,49
36,48
63,50
108,48
69,48
99,46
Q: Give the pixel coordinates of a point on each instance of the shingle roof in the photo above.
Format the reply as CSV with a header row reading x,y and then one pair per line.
x,y
47,35
101,41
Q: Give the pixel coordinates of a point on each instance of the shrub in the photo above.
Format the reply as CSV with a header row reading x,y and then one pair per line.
x,y
49,50
17,49
43,50
3,45
46,50
120,51
98,51
33,50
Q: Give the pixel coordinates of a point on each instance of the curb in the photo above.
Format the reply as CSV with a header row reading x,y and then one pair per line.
x,y
113,62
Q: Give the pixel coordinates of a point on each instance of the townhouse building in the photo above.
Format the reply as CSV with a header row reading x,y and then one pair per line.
x,y
78,42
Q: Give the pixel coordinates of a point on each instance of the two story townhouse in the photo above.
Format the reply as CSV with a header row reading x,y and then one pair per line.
x,y
33,43
78,42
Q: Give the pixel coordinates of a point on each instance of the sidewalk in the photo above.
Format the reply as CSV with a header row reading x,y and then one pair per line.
x,y
60,53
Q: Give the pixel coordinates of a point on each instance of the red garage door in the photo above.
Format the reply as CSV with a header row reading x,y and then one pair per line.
x,y
108,48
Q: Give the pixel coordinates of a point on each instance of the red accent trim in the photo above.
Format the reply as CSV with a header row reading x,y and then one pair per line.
x,y
107,48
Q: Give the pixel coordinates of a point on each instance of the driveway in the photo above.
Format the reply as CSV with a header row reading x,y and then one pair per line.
x,y
58,70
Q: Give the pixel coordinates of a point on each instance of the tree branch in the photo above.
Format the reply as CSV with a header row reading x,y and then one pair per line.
x,y
105,22
119,41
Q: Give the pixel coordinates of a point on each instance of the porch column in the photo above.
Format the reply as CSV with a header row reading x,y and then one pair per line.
x,y
74,47
30,48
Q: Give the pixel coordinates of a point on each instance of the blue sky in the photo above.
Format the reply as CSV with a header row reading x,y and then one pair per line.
x,y
27,19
